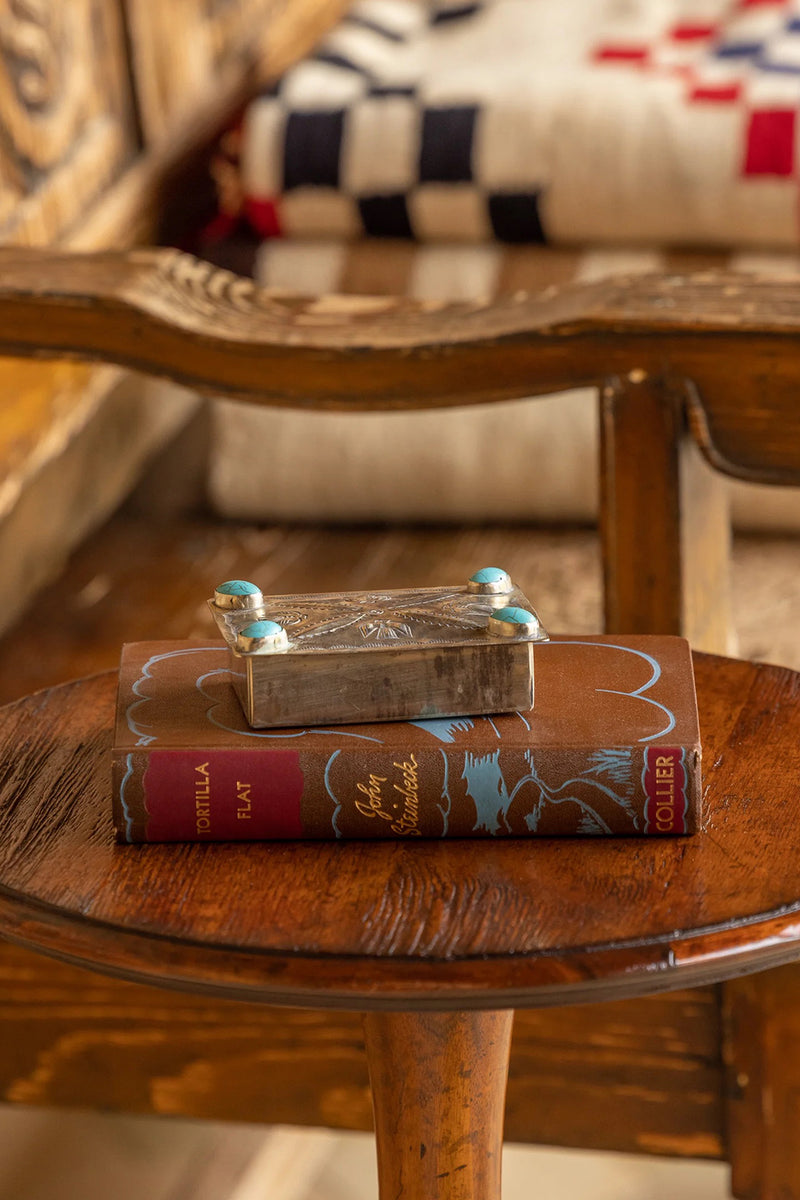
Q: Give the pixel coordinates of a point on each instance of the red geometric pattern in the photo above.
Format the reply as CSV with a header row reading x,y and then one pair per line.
x,y
264,216
754,44
770,142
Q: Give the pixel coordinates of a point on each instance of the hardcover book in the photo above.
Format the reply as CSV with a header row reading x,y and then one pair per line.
x,y
613,747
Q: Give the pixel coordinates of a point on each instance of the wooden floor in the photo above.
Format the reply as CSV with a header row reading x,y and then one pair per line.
x,y
76,1156
134,581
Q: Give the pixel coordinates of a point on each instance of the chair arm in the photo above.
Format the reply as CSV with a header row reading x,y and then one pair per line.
x,y
736,339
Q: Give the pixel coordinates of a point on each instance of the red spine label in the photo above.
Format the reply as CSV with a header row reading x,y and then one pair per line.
x,y
665,782
222,795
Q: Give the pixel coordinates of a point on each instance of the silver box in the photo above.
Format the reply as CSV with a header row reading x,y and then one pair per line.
x,y
395,655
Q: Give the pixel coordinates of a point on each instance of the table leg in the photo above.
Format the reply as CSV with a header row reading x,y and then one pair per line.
x,y
438,1092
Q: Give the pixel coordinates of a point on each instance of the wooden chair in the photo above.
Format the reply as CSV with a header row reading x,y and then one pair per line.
x,y
681,363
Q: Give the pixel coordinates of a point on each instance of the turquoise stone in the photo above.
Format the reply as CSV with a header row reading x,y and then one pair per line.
x,y
514,615
488,575
261,629
237,587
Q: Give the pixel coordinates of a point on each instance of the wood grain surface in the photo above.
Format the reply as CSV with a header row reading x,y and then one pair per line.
x,y
163,312
438,1091
65,110
173,75
525,922
761,1021
664,519
638,1075
221,43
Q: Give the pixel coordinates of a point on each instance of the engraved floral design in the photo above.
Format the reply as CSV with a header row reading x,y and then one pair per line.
x,y
384,628
341,621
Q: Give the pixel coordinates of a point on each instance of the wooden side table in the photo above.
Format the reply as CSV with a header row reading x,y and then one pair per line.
x,y
436,943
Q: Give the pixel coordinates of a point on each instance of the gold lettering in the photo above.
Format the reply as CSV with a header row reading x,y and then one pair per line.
x,y
408,821
202,793
373,805
244,810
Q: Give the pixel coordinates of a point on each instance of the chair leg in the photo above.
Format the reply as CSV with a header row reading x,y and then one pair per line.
x,y
761,1045
438,1092
664,519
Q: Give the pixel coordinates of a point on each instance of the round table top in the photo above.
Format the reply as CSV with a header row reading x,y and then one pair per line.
x,y
446,924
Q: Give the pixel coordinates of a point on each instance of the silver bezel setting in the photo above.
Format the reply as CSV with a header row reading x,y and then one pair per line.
x,y
246,602
529,631
496,587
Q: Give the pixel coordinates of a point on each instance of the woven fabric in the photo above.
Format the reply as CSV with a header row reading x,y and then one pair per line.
x,y
673,121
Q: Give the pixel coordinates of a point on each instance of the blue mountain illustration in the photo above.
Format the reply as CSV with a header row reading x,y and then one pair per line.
x,y
597,798
615,763
488,791
445,729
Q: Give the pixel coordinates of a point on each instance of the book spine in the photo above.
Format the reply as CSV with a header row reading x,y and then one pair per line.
x,y
188,795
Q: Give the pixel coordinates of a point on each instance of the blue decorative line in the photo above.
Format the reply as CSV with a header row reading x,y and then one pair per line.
x,y
637,693
269,734
445,795
145,739
644,790
337,803
138,727
685,786
125,809
590,781
585,808
445,729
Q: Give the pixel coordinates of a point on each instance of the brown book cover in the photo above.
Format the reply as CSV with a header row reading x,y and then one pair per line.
x,y
612,747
